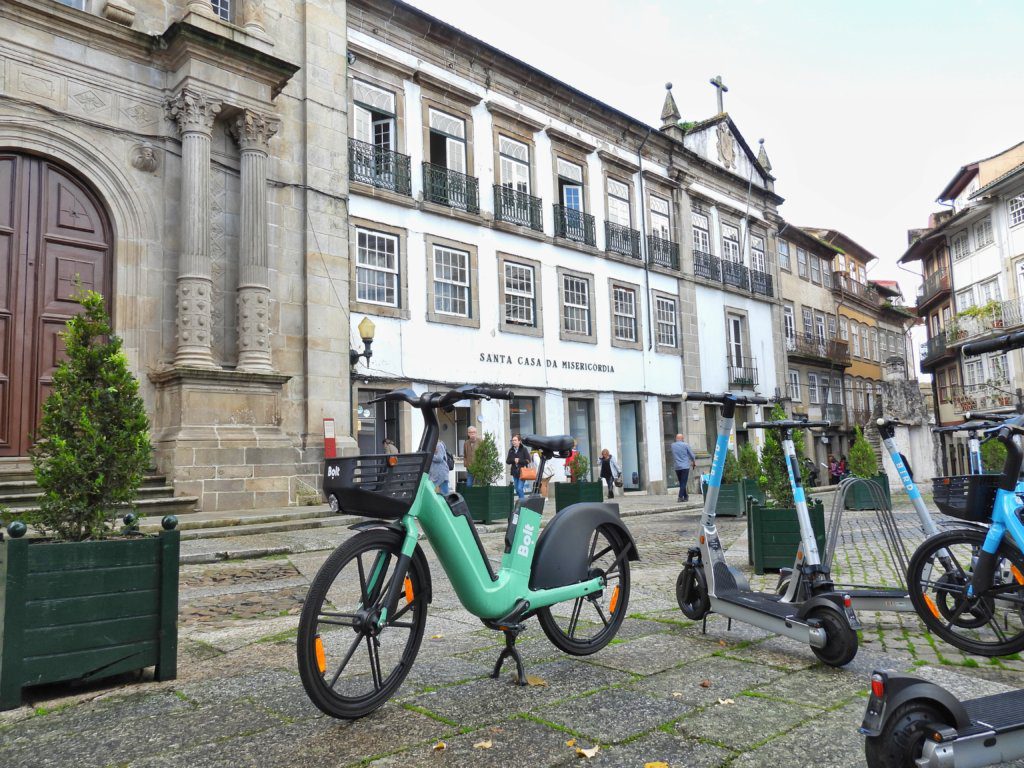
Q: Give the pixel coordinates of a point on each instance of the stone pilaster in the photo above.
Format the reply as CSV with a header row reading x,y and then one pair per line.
x,y
253,132
194,114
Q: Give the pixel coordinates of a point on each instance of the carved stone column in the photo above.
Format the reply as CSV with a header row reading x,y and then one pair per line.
x,y
253,132
253,19
194,114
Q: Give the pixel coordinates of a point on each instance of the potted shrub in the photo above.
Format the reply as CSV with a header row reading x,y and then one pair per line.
x,y
81,602
750,472
580,487
773,532
731,495
487,502
864,464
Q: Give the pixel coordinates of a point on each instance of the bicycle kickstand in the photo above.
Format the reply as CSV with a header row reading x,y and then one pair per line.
x,y
511,652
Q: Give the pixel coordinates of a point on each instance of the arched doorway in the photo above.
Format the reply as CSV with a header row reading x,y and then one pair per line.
x,y
54,232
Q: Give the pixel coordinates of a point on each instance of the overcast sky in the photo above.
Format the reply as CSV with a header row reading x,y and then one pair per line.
x,y
867,108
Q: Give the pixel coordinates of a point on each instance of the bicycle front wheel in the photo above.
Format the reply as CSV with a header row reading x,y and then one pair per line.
x,y
991,623
351,663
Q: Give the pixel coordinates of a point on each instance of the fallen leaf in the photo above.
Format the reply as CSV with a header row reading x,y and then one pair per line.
x,y
721,642
485,744
440,746
571,743
726,701
656,764
587,753
436,637
533,680
677,694
705,683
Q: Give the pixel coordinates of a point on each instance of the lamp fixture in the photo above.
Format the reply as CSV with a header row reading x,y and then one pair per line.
x,y
366,331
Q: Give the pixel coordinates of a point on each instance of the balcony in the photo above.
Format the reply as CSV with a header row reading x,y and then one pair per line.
x,y
379,167
447,187
621,240
860,417
834,413
515,207
809,346
843,284
980,397
735,274
988,319
761,282
934,350
662,253
742,372
707,266
936,285
574,225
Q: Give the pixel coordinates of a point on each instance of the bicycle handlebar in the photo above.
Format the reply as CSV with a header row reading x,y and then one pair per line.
x,y
1003,343
709,397
438,400
885,421
985,416
785,424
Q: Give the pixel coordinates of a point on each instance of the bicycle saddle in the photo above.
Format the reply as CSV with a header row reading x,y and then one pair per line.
x,y
560,444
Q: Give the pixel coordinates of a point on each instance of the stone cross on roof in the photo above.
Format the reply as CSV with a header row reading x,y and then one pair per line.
x,y
722,88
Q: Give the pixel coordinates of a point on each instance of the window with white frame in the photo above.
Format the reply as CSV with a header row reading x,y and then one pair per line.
x,y
815,269
222,8
831,326
576,305
789,324
624,313
819,327
874,345
451,281
974,372
757,259
855,336
377,268
80,4
983,233
374,117
960,247
570,188
826,392
844,328
826,274
731,243
965,299
812,389
989,291
808,318
661,219
666,322
801,262
794,385
783,250
1016,206
514,162
618,203
520,295
998,370
701,233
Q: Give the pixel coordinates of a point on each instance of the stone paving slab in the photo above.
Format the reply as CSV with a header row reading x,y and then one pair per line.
x,y
742,722
613,715
670,748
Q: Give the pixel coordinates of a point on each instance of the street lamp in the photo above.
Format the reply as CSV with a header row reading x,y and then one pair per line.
x,y
366,329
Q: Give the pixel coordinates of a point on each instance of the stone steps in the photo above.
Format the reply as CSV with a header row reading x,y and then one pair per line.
x,y
212,525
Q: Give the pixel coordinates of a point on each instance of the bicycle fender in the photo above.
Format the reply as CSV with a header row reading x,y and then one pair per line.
x,y
899,689
396,527
563,552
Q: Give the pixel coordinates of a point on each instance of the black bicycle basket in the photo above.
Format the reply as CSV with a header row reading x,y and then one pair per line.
x,y
967,497
379,485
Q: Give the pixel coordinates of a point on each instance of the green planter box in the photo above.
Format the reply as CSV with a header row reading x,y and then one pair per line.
x,y
488,503
86,610
731,500
573,493
752,488
773,535
861,497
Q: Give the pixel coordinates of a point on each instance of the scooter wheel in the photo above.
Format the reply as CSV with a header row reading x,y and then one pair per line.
x,y
692,593
899,743
841,639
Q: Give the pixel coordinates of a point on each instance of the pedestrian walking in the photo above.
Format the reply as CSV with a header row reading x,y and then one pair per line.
x,y
439,468
518,458
469,452
389,446
834,472
684,458
610,471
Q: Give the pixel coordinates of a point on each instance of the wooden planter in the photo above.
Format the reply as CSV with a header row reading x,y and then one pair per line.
x,y
86,610
773,535
574,493
732,500
488,503
860,497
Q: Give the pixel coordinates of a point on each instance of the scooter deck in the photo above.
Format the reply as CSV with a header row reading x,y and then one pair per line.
x,y
758,601
1001,712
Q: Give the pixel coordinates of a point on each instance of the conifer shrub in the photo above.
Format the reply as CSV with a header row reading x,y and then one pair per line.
x,y
863,462
731,472
993,456
774,474
750,464
486,466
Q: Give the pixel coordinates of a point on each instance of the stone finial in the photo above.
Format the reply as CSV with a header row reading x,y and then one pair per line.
x,y
762,157
119,12
670,116
192,110
253,130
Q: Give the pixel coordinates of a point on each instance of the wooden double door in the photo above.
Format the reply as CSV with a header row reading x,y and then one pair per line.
x,y
54,235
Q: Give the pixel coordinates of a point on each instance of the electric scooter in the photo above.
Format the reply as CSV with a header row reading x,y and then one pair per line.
x,y
825,621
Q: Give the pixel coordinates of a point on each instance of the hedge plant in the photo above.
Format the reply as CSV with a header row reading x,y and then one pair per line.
x,y
486,466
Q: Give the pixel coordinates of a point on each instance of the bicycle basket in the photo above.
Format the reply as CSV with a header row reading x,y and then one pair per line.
x,y
967,497
379,485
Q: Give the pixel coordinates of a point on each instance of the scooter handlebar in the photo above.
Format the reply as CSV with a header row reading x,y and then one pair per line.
x,y
1003,343
785,424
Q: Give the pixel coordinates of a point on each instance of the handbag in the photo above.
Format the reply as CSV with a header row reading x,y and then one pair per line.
x,y
449,460
528,473
618,481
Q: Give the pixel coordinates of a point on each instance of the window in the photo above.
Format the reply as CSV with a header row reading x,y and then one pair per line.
x,y
801,262
960,247
988,291
794,385
757,259
1016,210
514,161
618,203
974,372
844,328
874,345
808,322
447,141
731,243
832,326
701,233
576,305
570,184
826,391
667,325
784,255
998,371
522,415
819,327
826,274
451,281
624,313
377,268
221,7
520,295
374,115
855,335
815,269
734,343
661,221
965,299
789,323
812,388
80,5
983,233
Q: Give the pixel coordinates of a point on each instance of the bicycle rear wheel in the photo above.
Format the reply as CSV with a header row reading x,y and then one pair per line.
x,y
991,623
350,665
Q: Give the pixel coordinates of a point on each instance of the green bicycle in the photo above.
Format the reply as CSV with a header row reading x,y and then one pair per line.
x,y
364,616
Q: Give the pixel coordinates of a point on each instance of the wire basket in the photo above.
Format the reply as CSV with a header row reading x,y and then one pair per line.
x,y
967,497
379,485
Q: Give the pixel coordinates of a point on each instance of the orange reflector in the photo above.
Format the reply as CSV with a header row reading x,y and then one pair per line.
x,y
321,659
614,602
877,686
1017,574
392,461
702,538
408,589
931,606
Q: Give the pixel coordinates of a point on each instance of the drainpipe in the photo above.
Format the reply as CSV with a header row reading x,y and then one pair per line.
x,y
643,245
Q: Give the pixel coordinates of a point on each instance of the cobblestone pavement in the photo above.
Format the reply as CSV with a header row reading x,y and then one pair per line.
x,y
663,691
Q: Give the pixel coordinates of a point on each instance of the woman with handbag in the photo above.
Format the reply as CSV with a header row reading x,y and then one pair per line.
x,y
518,460
611,473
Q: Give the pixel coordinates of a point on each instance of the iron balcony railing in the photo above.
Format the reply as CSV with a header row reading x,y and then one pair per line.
x,y
735,274
993,317
860,417
742,372
447,187
379,167
933,349
517,207
623,240
980,397
574,225
814,346
761,282
843,283
934,284
707,266
662,252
